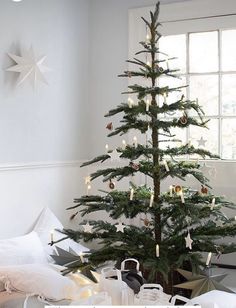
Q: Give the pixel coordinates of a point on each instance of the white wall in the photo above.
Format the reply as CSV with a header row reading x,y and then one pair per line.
x,y
46,124
43,128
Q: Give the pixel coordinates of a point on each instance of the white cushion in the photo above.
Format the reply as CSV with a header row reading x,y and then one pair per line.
x,y
48,222
22,250
38,279
217,298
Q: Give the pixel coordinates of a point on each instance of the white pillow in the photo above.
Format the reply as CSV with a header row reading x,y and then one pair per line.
x,y
217,298
22,250
38,279
48,222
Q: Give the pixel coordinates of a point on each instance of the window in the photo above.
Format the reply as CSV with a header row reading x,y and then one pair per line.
x,y
206,56
207,63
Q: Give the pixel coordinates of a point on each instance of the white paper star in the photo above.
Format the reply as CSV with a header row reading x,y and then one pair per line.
x,y
88,228
115,155
29,66
120,227
201,142
188,241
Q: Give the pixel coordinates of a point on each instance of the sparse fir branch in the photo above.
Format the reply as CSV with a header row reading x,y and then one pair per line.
x,y
100,158
148,48
187,150
151,73
111,173
140,108
133,122
211,230
142,91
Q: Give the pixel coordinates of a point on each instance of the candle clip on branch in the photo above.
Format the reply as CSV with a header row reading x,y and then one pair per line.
x,y
182,222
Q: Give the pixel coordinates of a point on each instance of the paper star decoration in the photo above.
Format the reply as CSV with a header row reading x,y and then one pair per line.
x,y
120,227
29,66
201,142
202,283
88,228
188,241
115,155
71,260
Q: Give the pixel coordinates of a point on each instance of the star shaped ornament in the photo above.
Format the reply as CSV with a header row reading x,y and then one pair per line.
x,y
201,142
202,282
114,155
120,227
71,260
188,241
29,67
88,228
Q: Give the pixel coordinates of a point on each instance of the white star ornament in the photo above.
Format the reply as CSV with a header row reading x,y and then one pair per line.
x,y
88,228
120,227
115,155
29,66
188,241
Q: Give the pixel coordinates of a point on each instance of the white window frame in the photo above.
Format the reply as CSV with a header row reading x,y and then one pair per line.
x,y
185,18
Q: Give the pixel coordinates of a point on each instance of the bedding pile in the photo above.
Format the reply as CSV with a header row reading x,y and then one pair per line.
x,y
28,277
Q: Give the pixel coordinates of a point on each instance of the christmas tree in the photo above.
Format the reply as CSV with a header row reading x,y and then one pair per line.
x,y
180,223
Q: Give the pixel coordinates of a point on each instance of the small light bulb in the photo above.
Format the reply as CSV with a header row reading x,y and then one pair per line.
x,y
148,63
16,0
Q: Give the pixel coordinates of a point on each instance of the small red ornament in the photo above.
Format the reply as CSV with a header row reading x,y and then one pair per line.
x,y
111,185
146,222
134,166
109,126
178,188
184,119
204,190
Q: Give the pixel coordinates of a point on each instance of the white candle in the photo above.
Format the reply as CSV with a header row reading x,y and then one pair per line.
x,y
151,199
131,194
51,235
123,144
81,257
88,188
157,251
148,63
182,196
213,202
107,148
87,180
164,95
208,258
147,104
171,191
130,102
147,37
135,140
234,217
166,165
